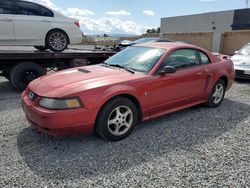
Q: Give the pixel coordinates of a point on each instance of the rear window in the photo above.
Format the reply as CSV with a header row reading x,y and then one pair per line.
x,y
32,9
5,7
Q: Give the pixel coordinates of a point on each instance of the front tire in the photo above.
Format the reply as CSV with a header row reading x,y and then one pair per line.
x,y
117,119
57,40
217,95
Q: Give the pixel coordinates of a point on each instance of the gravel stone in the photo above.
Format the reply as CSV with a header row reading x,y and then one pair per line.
x,y
195,147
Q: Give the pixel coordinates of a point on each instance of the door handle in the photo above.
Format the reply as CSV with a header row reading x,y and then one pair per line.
x,y
6,20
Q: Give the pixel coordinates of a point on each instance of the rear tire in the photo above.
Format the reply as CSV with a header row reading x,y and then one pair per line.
x,y
117,119
22,74
41,48
217,94
57,40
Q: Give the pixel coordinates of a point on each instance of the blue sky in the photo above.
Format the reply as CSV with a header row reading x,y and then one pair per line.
x,y
133,16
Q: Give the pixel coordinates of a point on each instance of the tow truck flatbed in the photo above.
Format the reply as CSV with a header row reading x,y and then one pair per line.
x,y
68,54
22,65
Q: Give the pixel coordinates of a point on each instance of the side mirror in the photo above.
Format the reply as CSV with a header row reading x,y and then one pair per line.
x,y
167,70
236,52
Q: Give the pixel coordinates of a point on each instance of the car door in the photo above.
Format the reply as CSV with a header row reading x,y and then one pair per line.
x,y
6,20
31,21
180,88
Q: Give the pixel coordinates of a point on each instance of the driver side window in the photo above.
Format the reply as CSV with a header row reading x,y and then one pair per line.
x,y
182,59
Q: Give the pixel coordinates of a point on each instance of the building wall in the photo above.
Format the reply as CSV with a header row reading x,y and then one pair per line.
x,y
234,40
216,22
230,40
203,39
241,19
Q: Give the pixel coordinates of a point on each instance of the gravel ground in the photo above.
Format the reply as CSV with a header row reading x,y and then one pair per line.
x,y
196,147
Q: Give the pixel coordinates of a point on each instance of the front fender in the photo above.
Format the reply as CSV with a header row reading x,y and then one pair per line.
x,y
98,98
116,91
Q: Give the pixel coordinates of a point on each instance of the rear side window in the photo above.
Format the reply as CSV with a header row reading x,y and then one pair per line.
x,y
204,58
31,9
46,12
5,7
182,59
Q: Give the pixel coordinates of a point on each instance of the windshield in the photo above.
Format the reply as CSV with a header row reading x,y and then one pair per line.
x,y
245,50
140,59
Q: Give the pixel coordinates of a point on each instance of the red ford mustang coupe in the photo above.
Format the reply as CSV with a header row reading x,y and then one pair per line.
x,y
140,83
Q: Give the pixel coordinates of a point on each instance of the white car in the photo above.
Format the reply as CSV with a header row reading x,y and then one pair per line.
x,y
241,61
29,24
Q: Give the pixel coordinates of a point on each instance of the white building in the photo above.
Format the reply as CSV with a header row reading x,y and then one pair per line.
x,y
216,22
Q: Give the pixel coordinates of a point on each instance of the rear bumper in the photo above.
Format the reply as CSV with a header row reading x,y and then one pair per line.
x,y
75,36
75,40
58,122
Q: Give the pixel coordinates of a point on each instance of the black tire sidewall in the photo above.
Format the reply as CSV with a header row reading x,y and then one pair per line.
x,y
50,47
41,48
17,71
210,100
102,119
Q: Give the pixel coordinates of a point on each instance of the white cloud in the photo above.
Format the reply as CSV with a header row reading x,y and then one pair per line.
x,y
100,25
47,3
118,13
148,12
110,25
209,0
79,12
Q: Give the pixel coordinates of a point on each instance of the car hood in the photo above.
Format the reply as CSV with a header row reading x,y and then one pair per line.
x,y
71,81
239,60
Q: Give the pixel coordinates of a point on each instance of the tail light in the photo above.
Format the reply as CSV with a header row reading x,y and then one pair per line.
x,y
77,23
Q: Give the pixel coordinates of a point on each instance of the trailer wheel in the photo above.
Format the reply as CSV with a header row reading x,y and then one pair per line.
x,y
6,74
22,74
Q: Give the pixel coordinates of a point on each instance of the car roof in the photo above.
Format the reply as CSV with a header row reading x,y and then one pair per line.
x,y
154,38
169,45
39,3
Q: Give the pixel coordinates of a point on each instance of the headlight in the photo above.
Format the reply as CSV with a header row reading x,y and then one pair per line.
x,y
60,104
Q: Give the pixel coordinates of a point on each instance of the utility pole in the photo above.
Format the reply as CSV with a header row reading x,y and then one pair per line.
x,y
246,3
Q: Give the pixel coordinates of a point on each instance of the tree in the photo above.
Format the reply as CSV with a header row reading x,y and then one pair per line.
x,y
105,35
153,30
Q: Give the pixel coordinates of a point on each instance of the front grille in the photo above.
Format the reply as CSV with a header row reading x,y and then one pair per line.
x,y
32,96
239,72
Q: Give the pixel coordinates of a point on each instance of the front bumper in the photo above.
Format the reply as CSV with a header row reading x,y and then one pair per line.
x,y
242,72
58,122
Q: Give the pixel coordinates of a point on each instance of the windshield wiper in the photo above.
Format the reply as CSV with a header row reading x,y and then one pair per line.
x,y
104,64
120,66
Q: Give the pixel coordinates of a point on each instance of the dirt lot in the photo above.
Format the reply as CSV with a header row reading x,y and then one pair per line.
x,y
196,147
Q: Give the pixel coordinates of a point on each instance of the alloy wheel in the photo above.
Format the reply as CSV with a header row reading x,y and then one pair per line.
x,y
218,93
120,120
57,41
